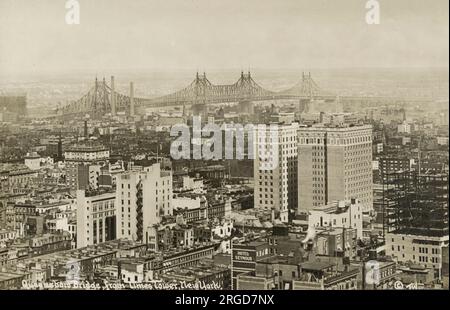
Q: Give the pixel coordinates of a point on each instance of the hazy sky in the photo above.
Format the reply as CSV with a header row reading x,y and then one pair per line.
x,y
213,34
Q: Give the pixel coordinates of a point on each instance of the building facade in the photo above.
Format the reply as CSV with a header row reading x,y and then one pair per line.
x,y
275,169
96,217
335,163
418,249
143,197
85,154
338,214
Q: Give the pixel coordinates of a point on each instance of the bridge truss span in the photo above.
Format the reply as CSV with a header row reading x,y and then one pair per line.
x,y
102,99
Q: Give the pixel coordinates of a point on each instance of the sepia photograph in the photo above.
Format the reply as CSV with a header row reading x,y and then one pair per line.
x,y
230,147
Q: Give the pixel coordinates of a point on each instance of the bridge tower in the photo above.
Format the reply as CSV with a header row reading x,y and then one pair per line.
x,y
200,86
131,99
307,86
113,97
246,105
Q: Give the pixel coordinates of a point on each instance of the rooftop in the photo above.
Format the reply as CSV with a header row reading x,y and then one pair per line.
x,y
316,265
335,207
87,146
9,276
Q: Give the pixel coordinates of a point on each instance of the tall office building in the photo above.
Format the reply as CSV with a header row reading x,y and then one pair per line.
x,y
96,217
143,197
275,169
334,163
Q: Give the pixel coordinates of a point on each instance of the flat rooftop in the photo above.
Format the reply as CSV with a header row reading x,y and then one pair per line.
x,y
316,266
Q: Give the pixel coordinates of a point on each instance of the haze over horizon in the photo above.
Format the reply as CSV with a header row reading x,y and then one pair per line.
x,y
209,35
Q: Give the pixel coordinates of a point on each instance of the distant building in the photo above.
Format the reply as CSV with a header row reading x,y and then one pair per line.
x,y
442,140
191,209
88,177
390,164
33,161
404,128
87,153
6,236
283,118
16,104
337,242
49,243
17,179
192,184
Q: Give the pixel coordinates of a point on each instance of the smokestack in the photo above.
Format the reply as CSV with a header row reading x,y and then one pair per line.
x,y
131,99
60,148
85,130
113,97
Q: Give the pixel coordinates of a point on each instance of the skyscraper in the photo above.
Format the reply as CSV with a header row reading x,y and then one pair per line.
x,y
334,163
276,187
142,198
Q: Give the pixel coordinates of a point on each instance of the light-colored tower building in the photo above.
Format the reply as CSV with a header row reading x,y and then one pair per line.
x,y
334,163
96,217
143,197
276,187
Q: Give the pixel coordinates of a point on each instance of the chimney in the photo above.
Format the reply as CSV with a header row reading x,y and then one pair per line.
x,y
60,148
85,130
113,97
131,99
321,117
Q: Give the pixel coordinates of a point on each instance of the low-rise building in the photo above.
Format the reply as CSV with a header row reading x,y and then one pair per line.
x,y
205,274
325,276
418,249
340,214
6,236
